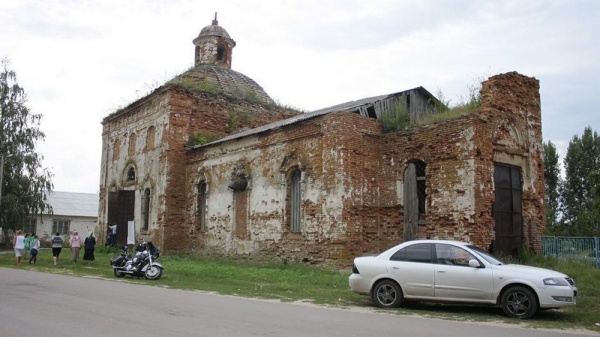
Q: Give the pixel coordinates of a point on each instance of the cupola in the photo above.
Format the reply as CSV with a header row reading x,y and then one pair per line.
x,y
213,46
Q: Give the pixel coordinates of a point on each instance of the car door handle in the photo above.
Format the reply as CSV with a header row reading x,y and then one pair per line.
x,y
441,271
395,268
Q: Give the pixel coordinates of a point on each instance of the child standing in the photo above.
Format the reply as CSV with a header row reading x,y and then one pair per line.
x,y
35,247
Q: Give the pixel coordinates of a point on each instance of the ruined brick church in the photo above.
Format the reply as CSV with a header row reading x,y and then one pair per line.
x,y
209,163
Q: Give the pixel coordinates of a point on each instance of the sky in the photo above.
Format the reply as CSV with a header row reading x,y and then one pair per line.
x,y
79,60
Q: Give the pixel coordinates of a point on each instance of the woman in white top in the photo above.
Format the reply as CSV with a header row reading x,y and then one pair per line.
x,y
19,245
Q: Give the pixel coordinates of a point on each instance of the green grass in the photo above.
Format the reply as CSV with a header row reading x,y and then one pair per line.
x,y
323,285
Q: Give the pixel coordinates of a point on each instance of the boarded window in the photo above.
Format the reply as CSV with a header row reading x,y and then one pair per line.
x,y
150,136
146,210
201,206
414,198
421,195
116,150
295,201
240,200
132,144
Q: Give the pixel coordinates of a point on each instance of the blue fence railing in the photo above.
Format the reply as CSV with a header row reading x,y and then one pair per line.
x,y
584,249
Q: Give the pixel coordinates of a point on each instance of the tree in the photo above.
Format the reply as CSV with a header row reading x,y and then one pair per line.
x,y
595,179
24,182
552,182
582,159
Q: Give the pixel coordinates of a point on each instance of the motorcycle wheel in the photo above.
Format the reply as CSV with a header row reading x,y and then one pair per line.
x,y
118,273
153,273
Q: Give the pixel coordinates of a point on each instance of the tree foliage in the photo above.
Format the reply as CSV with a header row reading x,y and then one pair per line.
x,y
552,182
581,163
595,179
25,182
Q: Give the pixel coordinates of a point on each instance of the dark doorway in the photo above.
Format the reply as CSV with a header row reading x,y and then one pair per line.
x,y
121,207
508,210
414,198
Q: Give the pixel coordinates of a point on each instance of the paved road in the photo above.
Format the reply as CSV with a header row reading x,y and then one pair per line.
x,y
36,304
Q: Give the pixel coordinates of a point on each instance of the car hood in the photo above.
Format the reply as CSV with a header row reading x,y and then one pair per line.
x,y
529,269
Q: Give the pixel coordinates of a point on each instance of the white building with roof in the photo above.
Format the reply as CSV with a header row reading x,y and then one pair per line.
x,y
70,212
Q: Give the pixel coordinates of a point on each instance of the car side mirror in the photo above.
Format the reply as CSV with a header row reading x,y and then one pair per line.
x,y
474,263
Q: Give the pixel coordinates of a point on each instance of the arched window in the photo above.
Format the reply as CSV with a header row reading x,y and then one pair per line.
x,y
116,150
131,173
201,206
146,209
295,198
240,208
150,135
221,53
132,144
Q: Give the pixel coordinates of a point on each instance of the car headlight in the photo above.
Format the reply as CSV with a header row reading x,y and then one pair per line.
x,y
555,281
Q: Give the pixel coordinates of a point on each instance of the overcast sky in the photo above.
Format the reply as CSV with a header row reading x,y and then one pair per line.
x,y
81,60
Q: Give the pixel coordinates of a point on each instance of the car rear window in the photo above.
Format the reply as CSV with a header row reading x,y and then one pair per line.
x,y
414,253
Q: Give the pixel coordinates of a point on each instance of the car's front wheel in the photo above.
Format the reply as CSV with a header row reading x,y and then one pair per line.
x,y
519,302
387,294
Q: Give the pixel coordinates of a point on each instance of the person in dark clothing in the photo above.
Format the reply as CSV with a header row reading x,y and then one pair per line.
x,y
57,243
88,245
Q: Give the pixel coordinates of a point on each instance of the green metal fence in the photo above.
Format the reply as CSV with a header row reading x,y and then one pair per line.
x,y
573,248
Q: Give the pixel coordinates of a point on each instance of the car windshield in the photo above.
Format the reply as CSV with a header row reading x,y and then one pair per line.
x,y
485,255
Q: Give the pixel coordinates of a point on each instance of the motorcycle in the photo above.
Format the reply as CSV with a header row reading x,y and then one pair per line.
x,y
142,264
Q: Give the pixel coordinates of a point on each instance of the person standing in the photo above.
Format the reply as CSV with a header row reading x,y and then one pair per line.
x,y
35,248
88,245
32,239
113,234
57,242
19,246
75,244
27,245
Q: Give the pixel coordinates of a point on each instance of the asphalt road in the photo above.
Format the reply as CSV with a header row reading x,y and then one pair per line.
x,y
36,304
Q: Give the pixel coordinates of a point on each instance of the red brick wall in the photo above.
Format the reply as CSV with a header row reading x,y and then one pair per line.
x,y
353,175
352,200
191,113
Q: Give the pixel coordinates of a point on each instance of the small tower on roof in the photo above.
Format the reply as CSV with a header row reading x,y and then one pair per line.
x,y
213,46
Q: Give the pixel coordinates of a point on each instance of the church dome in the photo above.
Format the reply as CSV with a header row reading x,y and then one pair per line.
x,y
213,30
220,80
212,71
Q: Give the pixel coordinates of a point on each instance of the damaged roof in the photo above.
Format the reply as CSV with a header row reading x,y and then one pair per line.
x,y
355,106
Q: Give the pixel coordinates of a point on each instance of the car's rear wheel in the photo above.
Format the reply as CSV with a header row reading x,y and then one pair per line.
x,y
387,294
519,302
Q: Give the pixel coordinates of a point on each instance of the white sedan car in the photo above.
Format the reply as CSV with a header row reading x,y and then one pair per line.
x,y
458,272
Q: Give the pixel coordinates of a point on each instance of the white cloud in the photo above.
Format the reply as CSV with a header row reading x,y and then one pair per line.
x,y
81,60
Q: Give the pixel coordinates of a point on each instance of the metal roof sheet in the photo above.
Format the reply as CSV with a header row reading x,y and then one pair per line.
x,y
339,107
74,204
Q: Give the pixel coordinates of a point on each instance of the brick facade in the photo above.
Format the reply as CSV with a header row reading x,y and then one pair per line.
x,y
353,177
352,173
